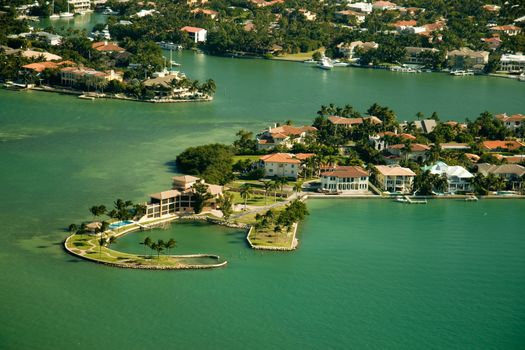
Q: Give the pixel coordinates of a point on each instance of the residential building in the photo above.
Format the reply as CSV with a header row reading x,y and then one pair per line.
x,y
454,146
285,136
180,199
206,12
49,38
396,153
458,178
512,122
512,63
195,33
309,15
415,55
42,66
493,42
512,173
348,50
34,55
350,122
79,6
510,30
380,141
264,3
364,7
404,25
349,14
502,146
395,178
283,164
384,5
107,47
345,179
426,126
491,8
466,58
70,76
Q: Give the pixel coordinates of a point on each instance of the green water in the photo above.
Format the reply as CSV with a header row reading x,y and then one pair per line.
x,y
368,274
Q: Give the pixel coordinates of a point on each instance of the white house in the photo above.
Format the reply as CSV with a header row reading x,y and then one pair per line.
x,y
283,164
195,33
512,173
345,179
512,63
458,177
395,178
513,121
364,7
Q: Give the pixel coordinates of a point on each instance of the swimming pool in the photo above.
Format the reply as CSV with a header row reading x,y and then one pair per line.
x,y
120,224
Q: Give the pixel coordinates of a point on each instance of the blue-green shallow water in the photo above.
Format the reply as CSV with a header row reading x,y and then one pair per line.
x,y
368,274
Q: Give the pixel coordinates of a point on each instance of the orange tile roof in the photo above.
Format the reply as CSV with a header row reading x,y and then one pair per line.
x,y
403,135
348,171
510,145
416,147
190,29
287,130
280,158
344,121
107,46
41,66
409,23
303,156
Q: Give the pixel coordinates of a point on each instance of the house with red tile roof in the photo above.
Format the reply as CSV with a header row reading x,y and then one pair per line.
x,y
350,122
285,136
71,76
196,34
510,30
42,66
345,180
512,121
107,47
283,164
206,12
384,5
395,153
502,146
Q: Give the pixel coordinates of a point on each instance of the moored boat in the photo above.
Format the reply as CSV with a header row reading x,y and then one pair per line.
x,y
325,63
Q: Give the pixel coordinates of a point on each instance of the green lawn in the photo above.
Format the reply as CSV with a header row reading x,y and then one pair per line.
x,y
255,199
301,56
252,158
269,238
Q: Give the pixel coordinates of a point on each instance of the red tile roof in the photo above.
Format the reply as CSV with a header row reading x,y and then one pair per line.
x,y
280,158
107,46
287,130
510,145
416,147
410,23
191,29
41,66
348,171
403,135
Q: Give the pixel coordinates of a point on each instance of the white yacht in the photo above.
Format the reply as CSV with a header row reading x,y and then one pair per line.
x,y
67,14
461,72
325,63
522,77
54,15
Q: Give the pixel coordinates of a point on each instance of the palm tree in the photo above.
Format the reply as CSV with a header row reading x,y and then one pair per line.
x,y
267,187
298,186
72,228
97,210
101,241
170,244
146,242
282,182
245,192
158,246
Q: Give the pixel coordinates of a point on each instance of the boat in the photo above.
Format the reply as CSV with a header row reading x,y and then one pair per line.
x,y
408,200
66,14
54,15
401,199
325,63
404,69
461,72
337,63
521,77
471,198
108,11
172,62
168,45
310,61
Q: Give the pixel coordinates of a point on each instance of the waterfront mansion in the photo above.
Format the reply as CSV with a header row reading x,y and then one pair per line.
x,y
345,180
180,199
285,136
395,178
283,164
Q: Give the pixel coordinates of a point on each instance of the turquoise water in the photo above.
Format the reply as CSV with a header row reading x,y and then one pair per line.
x,y
367,274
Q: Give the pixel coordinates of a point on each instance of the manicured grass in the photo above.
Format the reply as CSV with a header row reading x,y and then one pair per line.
x,y
301,56
255,199
252,158
271,239
88,246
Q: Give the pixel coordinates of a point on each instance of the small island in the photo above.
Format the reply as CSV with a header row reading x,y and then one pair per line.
x,y
260,182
